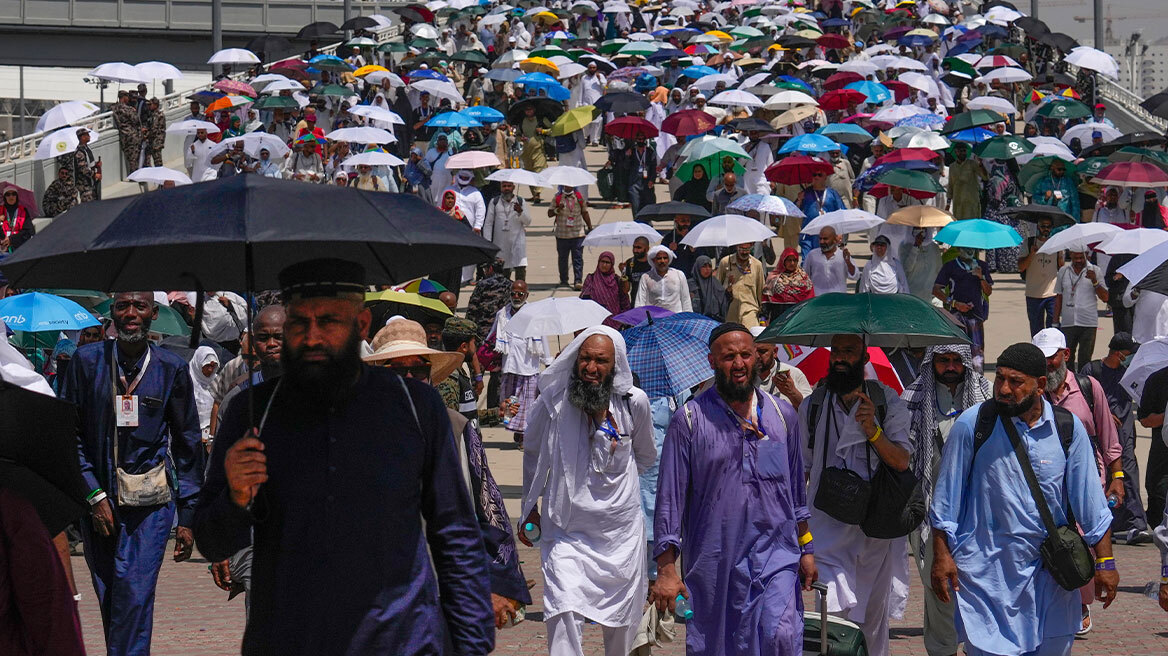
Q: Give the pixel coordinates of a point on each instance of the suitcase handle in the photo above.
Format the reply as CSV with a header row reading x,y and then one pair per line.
x,y
821,588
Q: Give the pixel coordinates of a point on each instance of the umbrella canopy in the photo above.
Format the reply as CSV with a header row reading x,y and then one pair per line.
x,y
885,320
797,169
453,119
568,176
766,204
373,158
1150,358
727,230
920,216
36,312
688,123
630,127
972,119
843,221
234,56
1079,238
1132,174
981,234
573,120
544,107
317,29
670,209
1006,146
814,363
519,176
670,355
483,114
912,180
234,86
411,296
158,175
809,143
556,316
118,72
841,99
622,102
362,134
61,142
639,315
472,159
1063,108
168,323
156,70
166,240
24,197
1034,213
64,114
621,233
1132,242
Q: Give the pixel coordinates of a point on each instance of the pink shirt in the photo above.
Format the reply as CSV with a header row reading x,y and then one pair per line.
x,y
1099,424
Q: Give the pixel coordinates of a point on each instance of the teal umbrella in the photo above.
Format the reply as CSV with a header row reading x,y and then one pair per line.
x,y
885,320
972,119
981,234
1006,146
1064,108
914,180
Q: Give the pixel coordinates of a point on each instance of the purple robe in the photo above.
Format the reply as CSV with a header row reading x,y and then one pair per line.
x,y
730,502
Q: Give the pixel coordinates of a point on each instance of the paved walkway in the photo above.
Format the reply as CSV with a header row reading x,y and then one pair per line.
x,y
193,617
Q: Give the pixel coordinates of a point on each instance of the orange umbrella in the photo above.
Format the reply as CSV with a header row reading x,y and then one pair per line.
x,y
228,102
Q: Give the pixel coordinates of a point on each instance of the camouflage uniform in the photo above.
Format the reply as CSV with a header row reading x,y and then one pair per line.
x,y
59,196
82,174
155,137
489,296
129,134
457,391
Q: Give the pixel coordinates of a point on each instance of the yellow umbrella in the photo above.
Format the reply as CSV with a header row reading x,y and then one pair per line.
x,y
409,298
776,48
546,17
922,32
793,116
751,61
722,36
573,120
539,64
371,68
809,34
920,216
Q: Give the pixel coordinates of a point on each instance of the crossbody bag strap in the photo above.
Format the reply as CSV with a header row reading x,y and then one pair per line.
x,y
1028,472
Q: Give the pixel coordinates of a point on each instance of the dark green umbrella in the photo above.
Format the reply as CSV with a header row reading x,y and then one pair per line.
x,y
1034,213
331,90
277,102
885,320
960,66
972,119
1091,166
393,47
1038,168
1064,108
1006,146
1133,154
169,321
470,56
914,180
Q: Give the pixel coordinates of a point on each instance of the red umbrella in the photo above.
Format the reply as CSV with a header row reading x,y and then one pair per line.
x,y
630,127
856,118
797,169
906,155
1132,174
688,122
833,41
841,99
841,80
23,196
814,362
881,190
290,63
899,89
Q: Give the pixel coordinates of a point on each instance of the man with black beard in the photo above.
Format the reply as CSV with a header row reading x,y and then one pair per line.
x,y
986,525
351,487
856,424
588,437
136,413
776,377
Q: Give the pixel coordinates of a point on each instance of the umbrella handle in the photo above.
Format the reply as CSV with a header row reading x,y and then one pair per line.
x,y
197,323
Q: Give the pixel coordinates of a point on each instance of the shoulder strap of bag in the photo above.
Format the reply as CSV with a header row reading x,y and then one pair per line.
x,y
688,415
1088,390
1031,479
775,405
875,391
816,403
410,399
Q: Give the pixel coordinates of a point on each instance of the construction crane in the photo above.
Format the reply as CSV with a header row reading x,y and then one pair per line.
x,y
1108,35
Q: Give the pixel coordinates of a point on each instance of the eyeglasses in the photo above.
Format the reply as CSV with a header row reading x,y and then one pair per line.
x,y
420,372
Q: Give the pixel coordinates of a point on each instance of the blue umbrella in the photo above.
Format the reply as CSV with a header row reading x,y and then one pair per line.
x,y
915,40
927,121
963,47
835,22
428,74
536,79
844,130
980,234
877,93
794,80
664,54
809,143
453,120
698,72
36,312
669,355
483,114
972,135
504,74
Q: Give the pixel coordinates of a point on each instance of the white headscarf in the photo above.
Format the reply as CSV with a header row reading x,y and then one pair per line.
x,y
564,427
202,387
15,368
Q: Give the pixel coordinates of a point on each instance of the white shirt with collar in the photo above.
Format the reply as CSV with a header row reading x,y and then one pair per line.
x,y
1080,305
829,274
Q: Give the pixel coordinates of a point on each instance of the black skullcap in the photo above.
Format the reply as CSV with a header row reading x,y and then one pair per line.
x,y
1024,357
1122,341
728,327
322,277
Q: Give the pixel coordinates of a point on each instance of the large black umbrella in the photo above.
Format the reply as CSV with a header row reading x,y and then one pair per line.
x,y
317,29
622,102
1063,42
1155,101
753,124
239,233
1031,26
544,107
270,44
670,209
415,13
1034,213
38,454
794,41
1143,138
359,23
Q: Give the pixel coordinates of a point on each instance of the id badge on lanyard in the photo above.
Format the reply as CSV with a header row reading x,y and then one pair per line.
x,y
126,405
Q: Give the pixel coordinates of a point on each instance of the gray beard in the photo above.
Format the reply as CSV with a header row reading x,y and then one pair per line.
x,y
591,398
134,337
1056,378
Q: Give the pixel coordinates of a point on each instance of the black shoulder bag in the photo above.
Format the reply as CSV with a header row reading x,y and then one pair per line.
x,y
1064,552
842,493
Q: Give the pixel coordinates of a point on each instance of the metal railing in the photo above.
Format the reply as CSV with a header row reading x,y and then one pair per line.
x,y
1130,102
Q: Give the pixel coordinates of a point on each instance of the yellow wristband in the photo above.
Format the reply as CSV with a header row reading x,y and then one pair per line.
x,y
1100,561
1118,474
877,434
805,538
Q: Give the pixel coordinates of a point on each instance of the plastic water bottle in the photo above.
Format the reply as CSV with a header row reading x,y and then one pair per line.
x,y
1152,591
520,613
532,532
510,414
1112,501
683,609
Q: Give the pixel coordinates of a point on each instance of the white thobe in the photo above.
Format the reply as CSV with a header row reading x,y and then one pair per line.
x,y
471,200
199,158
921,266
867,578
1150,314
754,180
507,229
670,291
828,274
522,356
592,88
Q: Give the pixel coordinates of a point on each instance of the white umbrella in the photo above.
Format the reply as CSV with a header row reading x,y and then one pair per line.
x,y
191,126
61,142
621,233
510,58
930,140
373,158
283,84
909,64
439,89
365,135
568,176
935,19
1079,237
1139,268
234,56
993,103
556,316
424,31
785,100
268,78
472,159
382,21
493,20
988,61
1047,147
736,98
1083,131
1005,76
570,69
1002,15
727,230
616,8
253,143
1095,60
920,82
519,177
858,66
156,70
708,82
1152,357
65,114
118,72
1133,242
766,204
377,77
897,112
844,222
158,175
374,113
885,61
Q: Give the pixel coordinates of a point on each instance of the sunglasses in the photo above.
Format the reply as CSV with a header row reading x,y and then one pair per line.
x,y
420,371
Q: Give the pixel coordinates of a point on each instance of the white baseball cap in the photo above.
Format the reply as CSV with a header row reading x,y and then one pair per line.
x,y
1050,341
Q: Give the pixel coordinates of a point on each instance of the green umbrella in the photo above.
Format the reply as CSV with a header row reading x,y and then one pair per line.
x,y
470,56
961,66
639,48
169,321
86,298
885,320
1091,166
707,146
972,119
612,45
1134,154
277,102
1006,146
548,51
914,180
1038,168
710,164
393,47
330,90
746,32
1064,108
425,43
1008,49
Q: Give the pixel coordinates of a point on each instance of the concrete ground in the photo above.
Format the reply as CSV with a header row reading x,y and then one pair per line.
x,y
193,617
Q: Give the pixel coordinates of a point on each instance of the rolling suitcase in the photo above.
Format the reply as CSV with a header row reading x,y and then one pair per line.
x,y
830,636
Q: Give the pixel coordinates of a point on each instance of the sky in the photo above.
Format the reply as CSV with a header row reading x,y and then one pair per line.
x,y
1149,17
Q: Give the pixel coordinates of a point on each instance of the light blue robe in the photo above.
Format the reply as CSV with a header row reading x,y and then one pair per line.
x,y
1008,604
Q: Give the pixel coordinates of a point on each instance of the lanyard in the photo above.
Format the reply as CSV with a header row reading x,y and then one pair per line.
x,y
1078,278
609,427
747,425
132,385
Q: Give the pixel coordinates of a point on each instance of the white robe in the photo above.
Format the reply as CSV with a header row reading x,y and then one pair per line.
x,y
670,291
471,200
754,181
198,158
507,229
